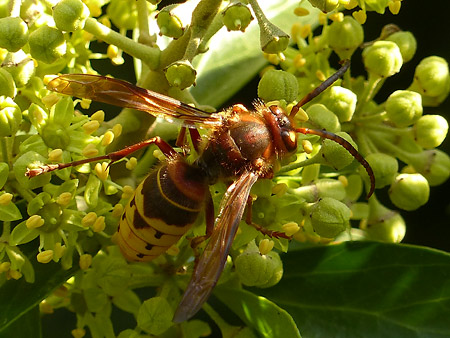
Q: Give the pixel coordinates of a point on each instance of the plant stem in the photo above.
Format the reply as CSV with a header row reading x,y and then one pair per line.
x,y
149,55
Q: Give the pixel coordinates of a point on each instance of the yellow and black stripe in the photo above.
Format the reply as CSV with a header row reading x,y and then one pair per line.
x,y
162,210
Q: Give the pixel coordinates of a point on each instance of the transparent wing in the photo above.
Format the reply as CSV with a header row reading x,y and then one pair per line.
x,y
211,263
124,94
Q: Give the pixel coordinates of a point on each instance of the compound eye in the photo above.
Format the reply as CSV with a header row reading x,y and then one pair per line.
x,y
289,139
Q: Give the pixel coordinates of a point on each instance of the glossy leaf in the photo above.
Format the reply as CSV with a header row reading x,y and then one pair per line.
x,y
258,312
17,297
365,289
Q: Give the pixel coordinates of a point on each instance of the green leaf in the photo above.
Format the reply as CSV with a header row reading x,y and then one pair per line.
x,y
17,297
365,289
9,212
21,234
258,312
28,325
234,58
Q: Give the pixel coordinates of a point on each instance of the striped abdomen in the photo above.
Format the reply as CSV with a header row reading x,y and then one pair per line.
x,y
163,208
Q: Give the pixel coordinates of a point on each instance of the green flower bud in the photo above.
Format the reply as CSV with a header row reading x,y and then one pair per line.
x,y
237,17
432,80
181,74
345,37
255,269
320,117
123,13
404,107
47,44
325,5
7,85
169,24
431,77
276,85
406,42
409,191
334,155
382,59
341,101
10,116
434,165
385,168
276,270
384,224
13,33
329,217
430,131
376,5
70,15
20,66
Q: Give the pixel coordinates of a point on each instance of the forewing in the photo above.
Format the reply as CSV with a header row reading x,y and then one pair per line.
x,y
211,263
124,94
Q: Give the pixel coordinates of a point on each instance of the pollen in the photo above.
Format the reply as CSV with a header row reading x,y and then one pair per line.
x,y
323,18
320,75
108,138
307,146
265,246
99,116
360,16
85,261
117,210
34,222
91,126
99,224
131,163
6,199
337,17
50,99
305,31
55,155
343,179
127,192
5,266
351,4
45,256
14,274
89,219
300,11
59,250
90,150
394,6
78,333
117,129
299,61
290,228
64,199
279,189
85,103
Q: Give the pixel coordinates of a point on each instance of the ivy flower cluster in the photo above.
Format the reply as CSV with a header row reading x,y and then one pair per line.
x,y
69,217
